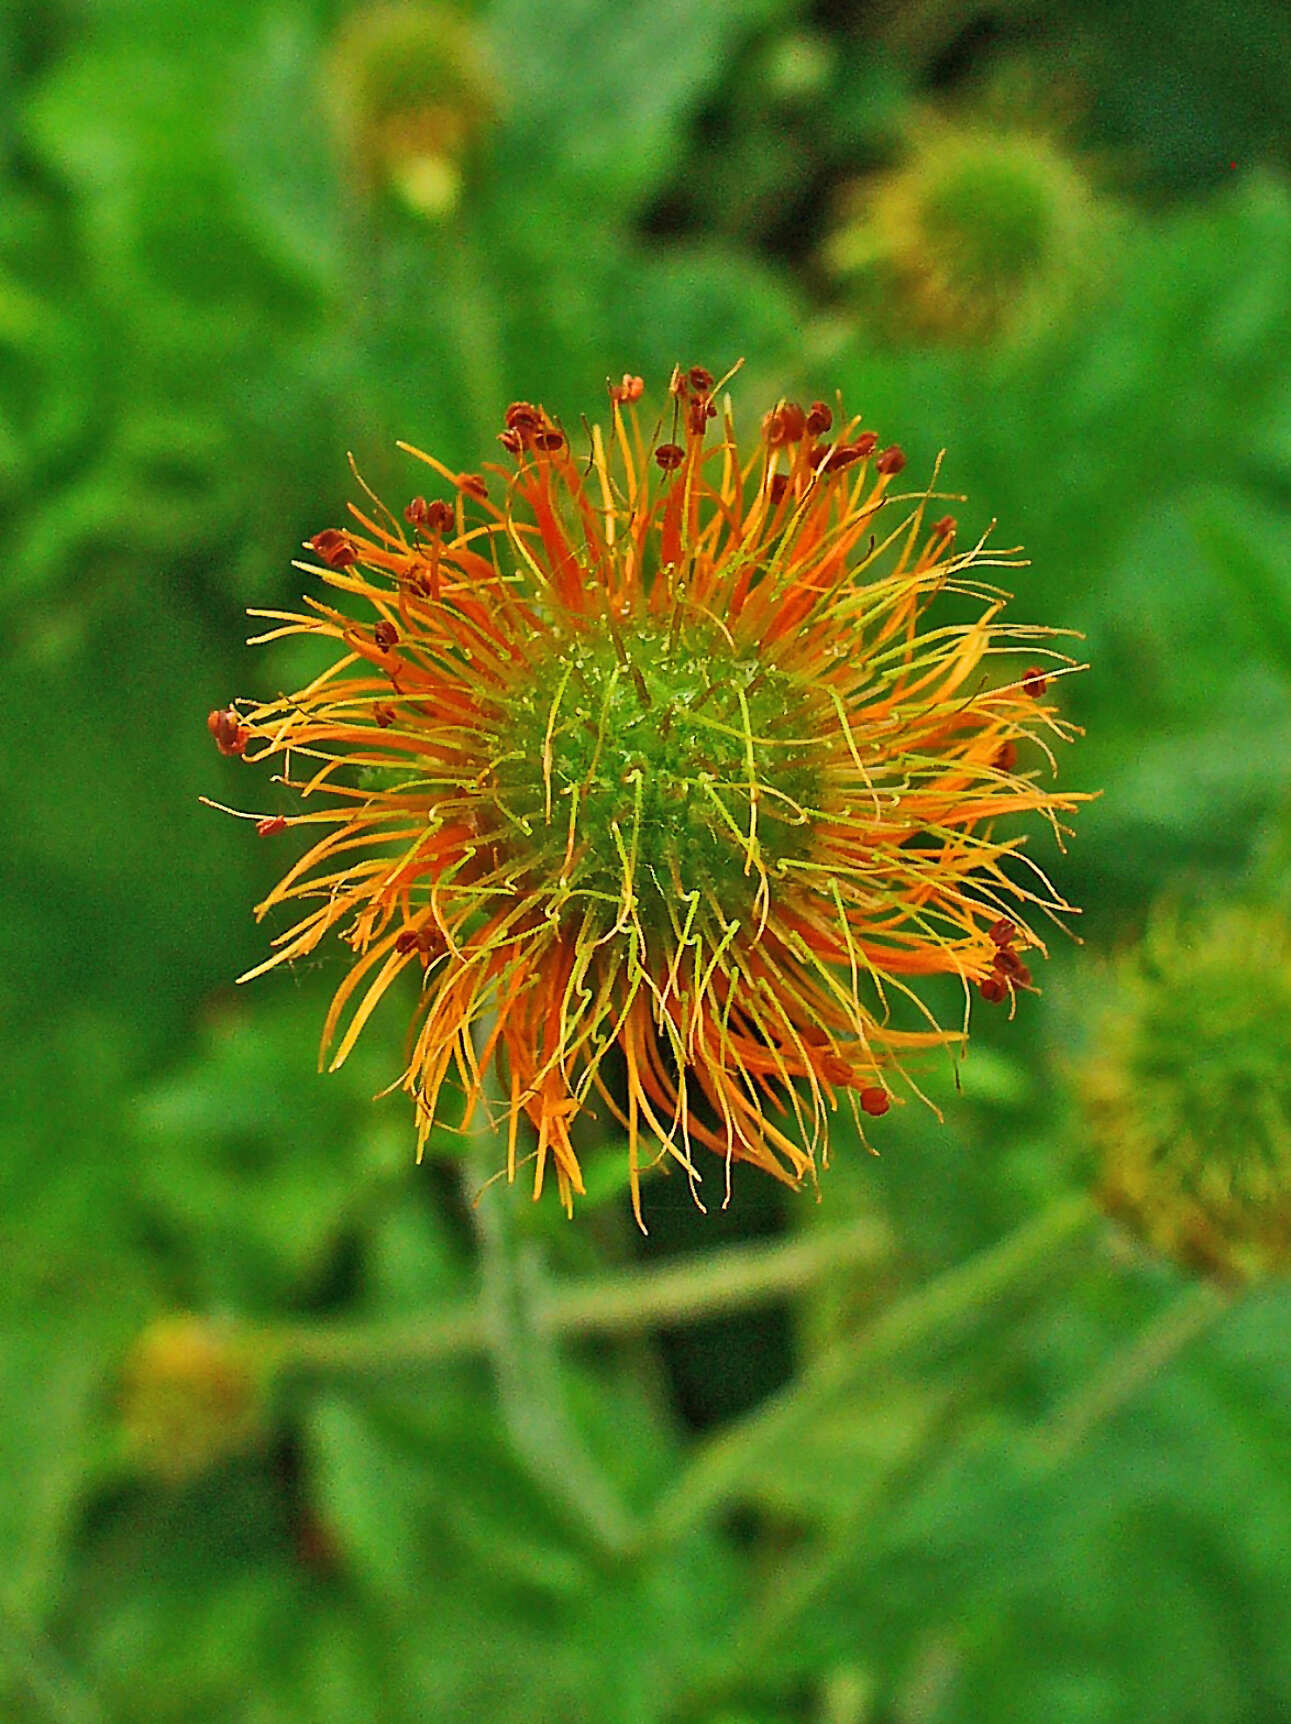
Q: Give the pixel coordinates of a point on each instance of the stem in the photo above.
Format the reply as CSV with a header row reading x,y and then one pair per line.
x,y
630,1302
724,1466
1129,1370
528,1373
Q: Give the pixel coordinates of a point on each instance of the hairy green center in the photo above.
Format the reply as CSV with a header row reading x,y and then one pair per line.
x,y
641,773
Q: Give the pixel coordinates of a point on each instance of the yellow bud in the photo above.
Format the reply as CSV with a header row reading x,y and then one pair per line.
x,y
190,1397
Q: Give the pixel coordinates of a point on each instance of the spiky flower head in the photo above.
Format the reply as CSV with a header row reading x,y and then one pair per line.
x,y
1187,1088
191,1395
409,93
981,229
648,762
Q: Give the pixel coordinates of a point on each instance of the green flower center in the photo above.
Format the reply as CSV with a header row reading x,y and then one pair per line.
x,y
647,771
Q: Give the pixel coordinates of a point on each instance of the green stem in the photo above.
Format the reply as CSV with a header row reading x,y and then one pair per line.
x,y
1129,1370
629,1302
725,1465
528,1375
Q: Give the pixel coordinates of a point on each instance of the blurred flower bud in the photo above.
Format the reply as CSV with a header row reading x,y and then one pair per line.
x,y
1187,1091
978,232
190,1397
410,95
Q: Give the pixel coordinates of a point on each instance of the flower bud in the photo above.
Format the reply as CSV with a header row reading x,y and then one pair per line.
x,y
1187,1091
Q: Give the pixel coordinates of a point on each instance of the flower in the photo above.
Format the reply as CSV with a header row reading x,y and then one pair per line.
x,y
981,230
647,762
1187,1090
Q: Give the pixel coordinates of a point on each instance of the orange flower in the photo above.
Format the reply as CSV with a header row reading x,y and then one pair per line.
x,y
650,761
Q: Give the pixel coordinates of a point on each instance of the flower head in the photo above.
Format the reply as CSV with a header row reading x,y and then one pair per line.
x,y
980,230
649,763
1187,1089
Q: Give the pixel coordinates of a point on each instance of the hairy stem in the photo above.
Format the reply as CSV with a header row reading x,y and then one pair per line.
x,y
724,1465
629,1302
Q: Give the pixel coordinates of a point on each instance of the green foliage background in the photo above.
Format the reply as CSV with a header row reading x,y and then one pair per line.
x,y
201,311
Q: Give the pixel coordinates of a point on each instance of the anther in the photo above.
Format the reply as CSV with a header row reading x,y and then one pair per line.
x,y
946,528
891,461
271,826
1005,757
384,714
700,411
473,485
700,381
335,548
386,635
231,735
994,989
1034,682
630,389
875,1101
786,423
1003,932
670,456
819,419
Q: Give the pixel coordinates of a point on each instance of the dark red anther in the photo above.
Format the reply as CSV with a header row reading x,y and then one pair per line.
x,y
779,485
786,423
1034,682
1007,962
700,380
386,635
510,441
866,443
384,714
1003,932
271,826
670,456
549,440
875,1101
700,411
630,389
994,989
523,416
1005,757
946,528
335,548
231,735
819,419
436,517
892,460
473,485
427,941
840,456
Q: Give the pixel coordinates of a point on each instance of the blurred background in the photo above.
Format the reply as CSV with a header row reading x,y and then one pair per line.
x,y
931,1449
